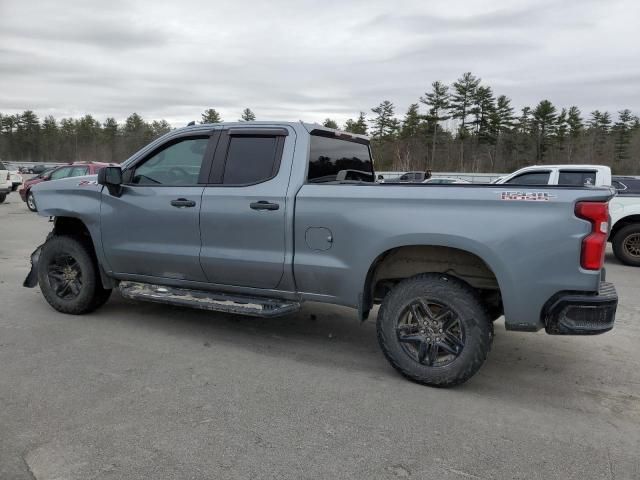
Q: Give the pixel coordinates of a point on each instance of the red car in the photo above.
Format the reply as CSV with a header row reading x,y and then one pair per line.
x,y
72,170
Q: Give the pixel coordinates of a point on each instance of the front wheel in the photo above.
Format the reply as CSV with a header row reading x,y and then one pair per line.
x,y
31,202
434,330
626,245
68,276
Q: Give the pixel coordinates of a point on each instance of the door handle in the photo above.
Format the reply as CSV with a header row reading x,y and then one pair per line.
x,y
182,202
264,205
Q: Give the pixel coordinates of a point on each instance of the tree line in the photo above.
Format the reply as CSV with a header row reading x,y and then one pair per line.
x,y
459,127
26,138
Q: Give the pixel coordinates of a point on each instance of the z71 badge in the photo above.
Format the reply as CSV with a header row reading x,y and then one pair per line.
x,y
526,196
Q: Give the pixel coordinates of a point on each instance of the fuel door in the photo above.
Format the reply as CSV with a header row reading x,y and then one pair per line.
x,y
319,238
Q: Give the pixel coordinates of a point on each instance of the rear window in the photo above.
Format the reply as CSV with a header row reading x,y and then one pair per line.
x,y
332,159
577,177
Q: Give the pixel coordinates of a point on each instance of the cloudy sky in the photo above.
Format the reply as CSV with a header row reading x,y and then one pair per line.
x,y
308,59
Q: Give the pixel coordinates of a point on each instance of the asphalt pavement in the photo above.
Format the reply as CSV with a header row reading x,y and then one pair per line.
x,y
138,390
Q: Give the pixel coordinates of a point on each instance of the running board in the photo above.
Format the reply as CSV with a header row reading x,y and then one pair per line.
x,y
203,300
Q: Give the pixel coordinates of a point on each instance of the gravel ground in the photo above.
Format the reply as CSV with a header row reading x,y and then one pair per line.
x,y
139,390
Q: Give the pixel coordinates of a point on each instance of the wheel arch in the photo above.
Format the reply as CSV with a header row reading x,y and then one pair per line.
x,y
404,261
67,225
623,222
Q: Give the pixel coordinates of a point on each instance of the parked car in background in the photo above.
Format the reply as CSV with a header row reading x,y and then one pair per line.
x,y
444,180
626,185
73,170
38,169
567,175
624,208
410,177
16,179
5,182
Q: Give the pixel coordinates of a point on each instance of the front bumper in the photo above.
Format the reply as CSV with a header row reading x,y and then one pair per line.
x,y
32,277
577,313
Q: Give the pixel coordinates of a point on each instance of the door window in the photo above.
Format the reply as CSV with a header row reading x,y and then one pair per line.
x,y
251,159
177,164
78,171
531,178
577,177
61,173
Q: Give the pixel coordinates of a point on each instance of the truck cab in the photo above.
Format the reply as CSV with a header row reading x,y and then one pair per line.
x,y
567,175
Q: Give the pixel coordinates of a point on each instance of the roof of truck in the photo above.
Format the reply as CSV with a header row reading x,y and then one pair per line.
x,y
309,127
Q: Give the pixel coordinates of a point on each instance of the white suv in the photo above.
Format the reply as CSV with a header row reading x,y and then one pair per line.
x,y
5,182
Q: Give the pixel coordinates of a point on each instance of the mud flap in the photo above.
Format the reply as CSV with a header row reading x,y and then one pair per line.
x,y
32,278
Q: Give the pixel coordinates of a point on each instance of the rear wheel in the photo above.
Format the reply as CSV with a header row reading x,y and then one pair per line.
x,y
31,202
3,197
68,276
626,245
434,330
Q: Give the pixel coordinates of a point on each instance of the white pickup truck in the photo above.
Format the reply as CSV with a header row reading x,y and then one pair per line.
x,y
624,208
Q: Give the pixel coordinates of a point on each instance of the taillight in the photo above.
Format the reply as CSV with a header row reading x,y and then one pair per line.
x,y
593,245
8,176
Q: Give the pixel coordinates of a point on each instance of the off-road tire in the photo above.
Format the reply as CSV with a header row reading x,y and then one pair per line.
x,y
619,249
3,197
458,297
31,202
91,294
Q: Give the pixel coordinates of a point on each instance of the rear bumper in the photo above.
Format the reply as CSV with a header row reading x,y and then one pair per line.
x,y
4,189
576,313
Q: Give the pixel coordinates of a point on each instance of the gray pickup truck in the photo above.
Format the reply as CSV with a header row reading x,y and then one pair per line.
x,y
255,218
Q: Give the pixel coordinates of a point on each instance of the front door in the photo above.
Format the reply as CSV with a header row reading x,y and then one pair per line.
x,y
242,219
152,229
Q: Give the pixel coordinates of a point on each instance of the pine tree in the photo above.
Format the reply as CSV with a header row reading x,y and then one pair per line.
x,y
482,107
438,102
211,116
461,100
247,115
384,124
412,123
574,121
109,135
49,140
329,123
544,119
622,130
358,126
561,128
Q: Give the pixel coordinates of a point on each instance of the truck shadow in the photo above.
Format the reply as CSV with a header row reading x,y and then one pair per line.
x,y
519,367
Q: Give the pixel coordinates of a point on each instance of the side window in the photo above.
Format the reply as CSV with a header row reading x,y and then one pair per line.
x,y
177,164
532,178
618,185
332,159
251,159
78,171
577,177
61,173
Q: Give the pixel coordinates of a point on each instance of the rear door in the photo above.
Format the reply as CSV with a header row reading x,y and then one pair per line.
x,y
242,219
152,229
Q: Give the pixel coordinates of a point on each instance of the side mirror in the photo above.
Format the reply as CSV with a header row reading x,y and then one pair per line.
x,y
111,177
